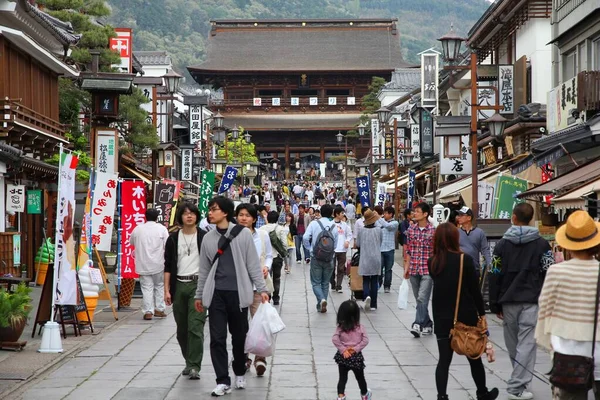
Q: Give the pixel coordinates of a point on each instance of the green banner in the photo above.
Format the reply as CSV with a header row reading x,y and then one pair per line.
x,y
206,191
34,202
507,188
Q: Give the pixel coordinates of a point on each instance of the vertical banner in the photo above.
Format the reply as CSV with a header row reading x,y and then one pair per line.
x,y
186,164
122,44
507,188
322,167
206,191
228,178
456,165
375,138
196,125
389,145
165,199
34,201
364,190
410,193
65,275
15,198
485,195
506,89
16,249
429,80
415,140
380,194
106,151
133,213
426,134
103,210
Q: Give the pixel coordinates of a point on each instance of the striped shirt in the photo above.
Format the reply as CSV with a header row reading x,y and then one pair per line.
x,y
420,248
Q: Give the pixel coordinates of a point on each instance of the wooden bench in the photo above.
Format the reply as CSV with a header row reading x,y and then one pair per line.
x,y
8,282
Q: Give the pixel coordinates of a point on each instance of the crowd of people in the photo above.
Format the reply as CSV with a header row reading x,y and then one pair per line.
x,y
233,261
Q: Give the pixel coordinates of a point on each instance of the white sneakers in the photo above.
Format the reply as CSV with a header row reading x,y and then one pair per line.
x,y
221,390
368,303
240,382
525,395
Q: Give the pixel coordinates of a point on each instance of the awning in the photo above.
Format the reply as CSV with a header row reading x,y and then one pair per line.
x,y
403,180
542,159
576,198
564,182
144,177
451,192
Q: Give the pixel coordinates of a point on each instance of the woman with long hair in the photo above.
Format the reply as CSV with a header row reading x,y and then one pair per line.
x,y
444,268
290,233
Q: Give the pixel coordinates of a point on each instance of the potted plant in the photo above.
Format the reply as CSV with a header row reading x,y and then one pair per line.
x,y
14,312
111,259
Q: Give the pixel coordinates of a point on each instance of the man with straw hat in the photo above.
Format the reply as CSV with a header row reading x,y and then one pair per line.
x,y
519,264
567,303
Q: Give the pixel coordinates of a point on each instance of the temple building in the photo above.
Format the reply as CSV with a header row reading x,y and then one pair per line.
x,y
295,84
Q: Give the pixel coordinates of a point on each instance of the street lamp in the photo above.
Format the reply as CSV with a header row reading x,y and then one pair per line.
x,y
496,124
361,129
172,80
383,114
451,44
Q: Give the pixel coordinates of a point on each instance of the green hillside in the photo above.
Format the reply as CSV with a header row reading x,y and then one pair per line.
x,y
181,26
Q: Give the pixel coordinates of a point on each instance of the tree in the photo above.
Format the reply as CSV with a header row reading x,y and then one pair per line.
x,y
238,151
370,104
134,126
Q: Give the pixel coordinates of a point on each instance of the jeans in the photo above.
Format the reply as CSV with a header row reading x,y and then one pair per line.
x,y
370,287
320,273
387,263
153,292
339,270
443,366
225,311
298,242
190,324
422,286
276,275
360,378
519,335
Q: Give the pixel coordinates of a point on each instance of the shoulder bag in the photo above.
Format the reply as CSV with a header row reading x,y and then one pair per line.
x,y
576,373
467,340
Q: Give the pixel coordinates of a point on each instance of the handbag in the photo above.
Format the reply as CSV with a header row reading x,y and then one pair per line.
x,y
576,373
467,340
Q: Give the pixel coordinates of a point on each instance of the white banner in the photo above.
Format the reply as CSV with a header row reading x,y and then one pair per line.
x,y
106,151
15,198
506,90
456,165
65,275
186,164
322,167
196,125
415,140
375,137
429,80
486,199
380,194
103,210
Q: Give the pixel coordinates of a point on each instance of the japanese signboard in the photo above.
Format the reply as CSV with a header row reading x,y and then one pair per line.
x,y
206,191
490,155
34,202
228,178
165,200
415,140
506,88
429,80
561,100
257,102
15,198
380,194
17,249
411,189
196,125
106,151
103,210
389,145
122,44
507,188
485,194
375,137
133,213
186,164
426,134
65,275
364,190
456,165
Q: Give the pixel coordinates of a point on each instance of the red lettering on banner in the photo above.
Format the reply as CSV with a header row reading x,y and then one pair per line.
x,y
102,229
112,184
107,220
97,211
107,193
133,200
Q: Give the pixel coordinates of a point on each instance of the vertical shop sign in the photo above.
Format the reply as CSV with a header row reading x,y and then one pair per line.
x,y
165,200
506,88
133,213
206,191
103,210
426,134
15,198
186,164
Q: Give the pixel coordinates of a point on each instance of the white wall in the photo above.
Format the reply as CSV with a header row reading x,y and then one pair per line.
x,y
531,42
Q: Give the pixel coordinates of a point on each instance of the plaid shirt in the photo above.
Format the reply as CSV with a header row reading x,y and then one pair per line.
x,y
420,248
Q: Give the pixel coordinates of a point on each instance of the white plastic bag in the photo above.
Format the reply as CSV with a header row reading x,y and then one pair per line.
x,y
276,324
403,295
260,340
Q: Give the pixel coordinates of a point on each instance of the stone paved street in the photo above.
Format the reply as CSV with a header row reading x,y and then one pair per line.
x,y
141,359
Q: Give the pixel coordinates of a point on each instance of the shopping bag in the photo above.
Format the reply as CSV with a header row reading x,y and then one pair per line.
x,y
403,295
276,324
260,340
269,284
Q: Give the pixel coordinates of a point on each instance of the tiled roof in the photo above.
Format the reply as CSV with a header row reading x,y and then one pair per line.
x,y
312,45
62,30
405,79
153,57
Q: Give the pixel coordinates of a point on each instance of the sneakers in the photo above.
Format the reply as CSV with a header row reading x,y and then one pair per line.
x,y
368,303
373,308
240,382
148,316
194,374
341,397
523,395
339,290
323,306
416,330
386,290
186,371
261,367
366,396
488,394
299,260
221,390
307,261
160,314
427,330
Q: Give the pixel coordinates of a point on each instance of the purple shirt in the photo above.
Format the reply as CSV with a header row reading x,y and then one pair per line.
x,y
356,339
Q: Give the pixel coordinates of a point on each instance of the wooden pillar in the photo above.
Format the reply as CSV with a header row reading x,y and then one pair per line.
x,y
287,161
322,153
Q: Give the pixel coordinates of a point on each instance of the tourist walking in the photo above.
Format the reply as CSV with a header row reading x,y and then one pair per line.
x,y
519,264
565,324
302,220
350,212
473,240
418,250
320,234
350,338
344,236
368,242
290,233
389,228
182,261
444,268
278,239
225,280
149,240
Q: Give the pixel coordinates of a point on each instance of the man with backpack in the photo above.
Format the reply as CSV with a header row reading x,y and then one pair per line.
x,y
321,239
278,237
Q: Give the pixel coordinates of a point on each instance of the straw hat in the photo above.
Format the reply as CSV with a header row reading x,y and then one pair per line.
x,y
580,232
371,217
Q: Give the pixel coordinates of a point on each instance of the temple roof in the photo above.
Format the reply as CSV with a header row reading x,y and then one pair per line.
x,y
60,29
153,57
406,79
302,45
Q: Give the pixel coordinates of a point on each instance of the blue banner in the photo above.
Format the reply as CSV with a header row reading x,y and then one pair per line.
x,y
364,190
228,178
411,189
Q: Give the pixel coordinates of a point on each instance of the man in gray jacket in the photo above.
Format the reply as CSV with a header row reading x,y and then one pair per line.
x,y
225,288
472,239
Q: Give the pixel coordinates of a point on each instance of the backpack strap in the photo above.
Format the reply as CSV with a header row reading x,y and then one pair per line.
x,y
320,224
228,238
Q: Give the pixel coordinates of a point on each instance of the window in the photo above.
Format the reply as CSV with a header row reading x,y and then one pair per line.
x,y
338,92
596,54
569,65
305,92
269,93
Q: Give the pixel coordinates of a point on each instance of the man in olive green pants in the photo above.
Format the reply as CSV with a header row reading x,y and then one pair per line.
x,y
182,262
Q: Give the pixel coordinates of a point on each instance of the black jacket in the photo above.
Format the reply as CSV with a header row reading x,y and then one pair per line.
x,y
171,257
519,264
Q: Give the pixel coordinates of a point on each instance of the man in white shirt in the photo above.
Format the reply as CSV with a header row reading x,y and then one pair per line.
x,y
149,240
351,213
343,242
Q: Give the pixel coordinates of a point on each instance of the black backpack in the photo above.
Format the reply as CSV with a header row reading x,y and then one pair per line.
x,y
324,249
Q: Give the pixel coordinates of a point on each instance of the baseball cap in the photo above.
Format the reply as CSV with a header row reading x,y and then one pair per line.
x,y
465,210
